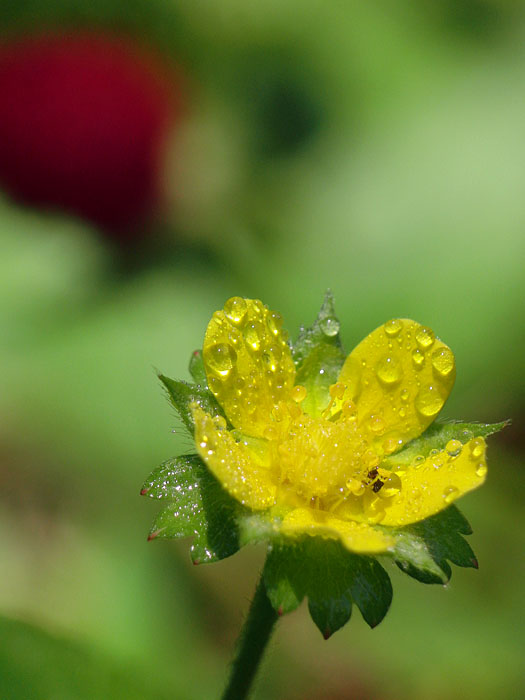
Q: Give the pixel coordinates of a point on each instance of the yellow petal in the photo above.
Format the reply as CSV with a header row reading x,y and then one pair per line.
x,y
399,376
357,537
248,363
241,470
435,483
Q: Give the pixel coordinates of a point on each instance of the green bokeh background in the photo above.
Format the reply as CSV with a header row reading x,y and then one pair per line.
x,y
374,148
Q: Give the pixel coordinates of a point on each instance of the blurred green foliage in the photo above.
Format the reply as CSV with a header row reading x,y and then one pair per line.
x,y
371,149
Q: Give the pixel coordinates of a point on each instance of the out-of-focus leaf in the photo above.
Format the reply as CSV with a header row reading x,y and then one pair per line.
x,y
35,665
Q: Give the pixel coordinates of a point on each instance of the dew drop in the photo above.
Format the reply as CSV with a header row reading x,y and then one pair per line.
x,y
402,412
220,358
219,422
443,361
418,461
429,401
252,336
214,384
393,327
389,371
477,447
299,393
390,445
450,494
377,424
418,359
271,432
235,310
404,395
274,322
454,448
330,326
425,337
481,469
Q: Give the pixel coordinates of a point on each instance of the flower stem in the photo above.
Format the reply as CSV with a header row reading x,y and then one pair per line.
x,y
251,644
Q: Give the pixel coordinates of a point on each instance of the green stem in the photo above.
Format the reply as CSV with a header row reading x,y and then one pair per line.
x,y
252,642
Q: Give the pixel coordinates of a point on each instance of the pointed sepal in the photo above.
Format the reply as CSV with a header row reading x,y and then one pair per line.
x,y
199,507
318,355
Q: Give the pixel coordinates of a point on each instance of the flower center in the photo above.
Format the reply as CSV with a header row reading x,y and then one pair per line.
x,y
320,457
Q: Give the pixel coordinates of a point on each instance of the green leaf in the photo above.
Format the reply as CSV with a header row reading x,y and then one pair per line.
x,y
319,356
436,437
331,577
422,549
182,395
200,507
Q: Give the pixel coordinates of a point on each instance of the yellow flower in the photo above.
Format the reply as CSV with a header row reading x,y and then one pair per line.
x,y
331,470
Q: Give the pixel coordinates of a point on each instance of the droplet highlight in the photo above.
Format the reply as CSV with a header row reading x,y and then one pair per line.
x,y
443,361
220,358
330,326
393,327
429,401
425,337
389,371
235,310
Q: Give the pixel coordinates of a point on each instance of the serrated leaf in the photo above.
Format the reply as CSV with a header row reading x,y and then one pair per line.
x,y
422,549
182,395
436,437
331,577
318,355
200,507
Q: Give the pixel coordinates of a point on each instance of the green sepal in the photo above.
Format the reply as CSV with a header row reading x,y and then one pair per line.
x,y
197,370
331,577
199,507
436,437
318,355
182,395
422,549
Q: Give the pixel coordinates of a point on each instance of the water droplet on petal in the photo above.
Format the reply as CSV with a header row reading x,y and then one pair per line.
x,y
235,310
220,358
477,447
404,395
429,401
391,445
299,393
450,494
330,326
418,359
481,469
274,322
219,422
252,336
418,461
377,424
454,448
443,361
393,327
425,337
389,371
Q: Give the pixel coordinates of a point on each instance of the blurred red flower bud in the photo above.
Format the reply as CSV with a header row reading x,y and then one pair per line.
x,y
84,121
